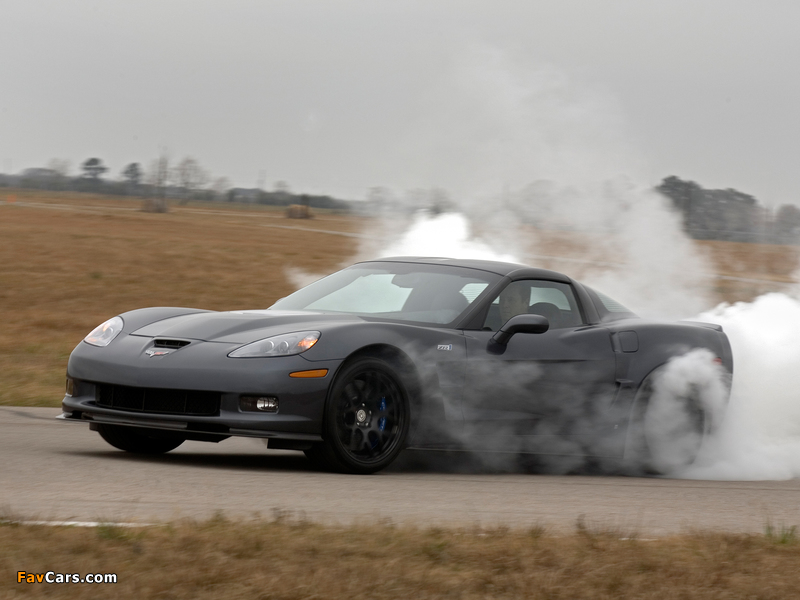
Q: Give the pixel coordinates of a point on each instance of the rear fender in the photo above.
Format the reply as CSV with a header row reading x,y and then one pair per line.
x,y
658,343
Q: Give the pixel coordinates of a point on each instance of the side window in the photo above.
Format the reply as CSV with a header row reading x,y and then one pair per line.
x,y
551,299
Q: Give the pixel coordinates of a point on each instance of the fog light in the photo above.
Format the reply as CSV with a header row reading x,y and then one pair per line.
x,y
259,403
267,404
70,391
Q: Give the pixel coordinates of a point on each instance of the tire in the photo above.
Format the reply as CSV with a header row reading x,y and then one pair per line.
x,y
319,458
672,428
366,419
138,440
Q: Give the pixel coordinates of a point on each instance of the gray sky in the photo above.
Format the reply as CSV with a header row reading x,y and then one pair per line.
x,y
337,96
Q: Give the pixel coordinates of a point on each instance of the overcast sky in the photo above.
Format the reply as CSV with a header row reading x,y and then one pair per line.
x,y
336,96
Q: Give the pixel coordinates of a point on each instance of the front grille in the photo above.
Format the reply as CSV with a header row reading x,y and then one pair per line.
x,y
158,400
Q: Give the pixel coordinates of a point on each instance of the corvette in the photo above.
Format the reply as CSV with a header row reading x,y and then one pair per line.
x,y
398,353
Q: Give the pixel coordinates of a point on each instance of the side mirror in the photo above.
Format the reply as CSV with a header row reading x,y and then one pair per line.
x,y
520,324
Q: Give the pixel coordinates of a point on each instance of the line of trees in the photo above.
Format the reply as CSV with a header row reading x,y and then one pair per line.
x,y
186,179
709,214
162,181
729,214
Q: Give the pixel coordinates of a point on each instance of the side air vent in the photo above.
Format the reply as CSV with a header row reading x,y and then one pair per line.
x,y
170,343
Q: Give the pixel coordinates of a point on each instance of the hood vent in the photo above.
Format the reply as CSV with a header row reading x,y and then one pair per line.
x,y
175,344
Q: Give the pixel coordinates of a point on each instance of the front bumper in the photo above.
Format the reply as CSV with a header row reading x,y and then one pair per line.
x,y
203,428
204,367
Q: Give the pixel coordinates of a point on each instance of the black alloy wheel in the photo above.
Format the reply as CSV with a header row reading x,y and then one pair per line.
x,y
366,418
138,440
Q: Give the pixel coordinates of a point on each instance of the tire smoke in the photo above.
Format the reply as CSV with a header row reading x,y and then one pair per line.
x,y
756,436
525,150
687,405
759,437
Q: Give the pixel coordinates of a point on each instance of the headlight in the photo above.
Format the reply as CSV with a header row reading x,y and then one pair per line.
x,y
103,334
279,345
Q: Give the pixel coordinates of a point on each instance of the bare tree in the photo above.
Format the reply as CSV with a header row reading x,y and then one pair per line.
x,y
61,166
221,186
190,176
787,223
133,176
380,199
158,176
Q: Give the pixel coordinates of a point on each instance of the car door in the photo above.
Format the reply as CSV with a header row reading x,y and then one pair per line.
x,y
538,387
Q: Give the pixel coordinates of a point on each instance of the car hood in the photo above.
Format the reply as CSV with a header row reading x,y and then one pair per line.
x,y
239,327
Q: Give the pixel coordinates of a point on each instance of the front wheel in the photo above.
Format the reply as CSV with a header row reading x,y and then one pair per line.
x,y
366,418
137,439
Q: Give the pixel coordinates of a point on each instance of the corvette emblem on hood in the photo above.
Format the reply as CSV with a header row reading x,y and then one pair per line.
x,y
153,352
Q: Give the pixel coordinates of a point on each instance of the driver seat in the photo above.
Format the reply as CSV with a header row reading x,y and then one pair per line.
x,y
549,311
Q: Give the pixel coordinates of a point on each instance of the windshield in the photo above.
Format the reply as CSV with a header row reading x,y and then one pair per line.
x,y
431,294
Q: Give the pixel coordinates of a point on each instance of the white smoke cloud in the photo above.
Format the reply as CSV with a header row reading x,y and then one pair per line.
x,y
760,435
688,403
524,149
493,123
447,235
656,269
523,146
757,435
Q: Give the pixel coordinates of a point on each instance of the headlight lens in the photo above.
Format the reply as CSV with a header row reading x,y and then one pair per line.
x,y
103,334
278,345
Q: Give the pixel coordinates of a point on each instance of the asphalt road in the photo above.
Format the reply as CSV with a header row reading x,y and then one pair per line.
x,y
52,470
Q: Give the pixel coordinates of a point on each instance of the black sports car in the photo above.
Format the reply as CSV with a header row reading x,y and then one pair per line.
x,y
389,354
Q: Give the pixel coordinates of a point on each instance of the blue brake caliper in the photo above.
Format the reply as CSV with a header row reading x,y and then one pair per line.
x,y
382,408
381,421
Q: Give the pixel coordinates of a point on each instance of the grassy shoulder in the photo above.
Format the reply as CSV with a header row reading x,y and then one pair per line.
x,y
280,559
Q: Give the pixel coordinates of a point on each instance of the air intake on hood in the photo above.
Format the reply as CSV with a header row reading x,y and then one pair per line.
x,y
170,343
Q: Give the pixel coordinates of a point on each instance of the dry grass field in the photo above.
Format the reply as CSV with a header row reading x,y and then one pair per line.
x,y
291,560
69,262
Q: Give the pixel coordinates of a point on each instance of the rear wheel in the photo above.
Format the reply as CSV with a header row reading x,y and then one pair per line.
x,y
366,418
673,428
138,440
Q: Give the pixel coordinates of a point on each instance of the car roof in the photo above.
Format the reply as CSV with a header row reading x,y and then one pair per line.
x,y
506,269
